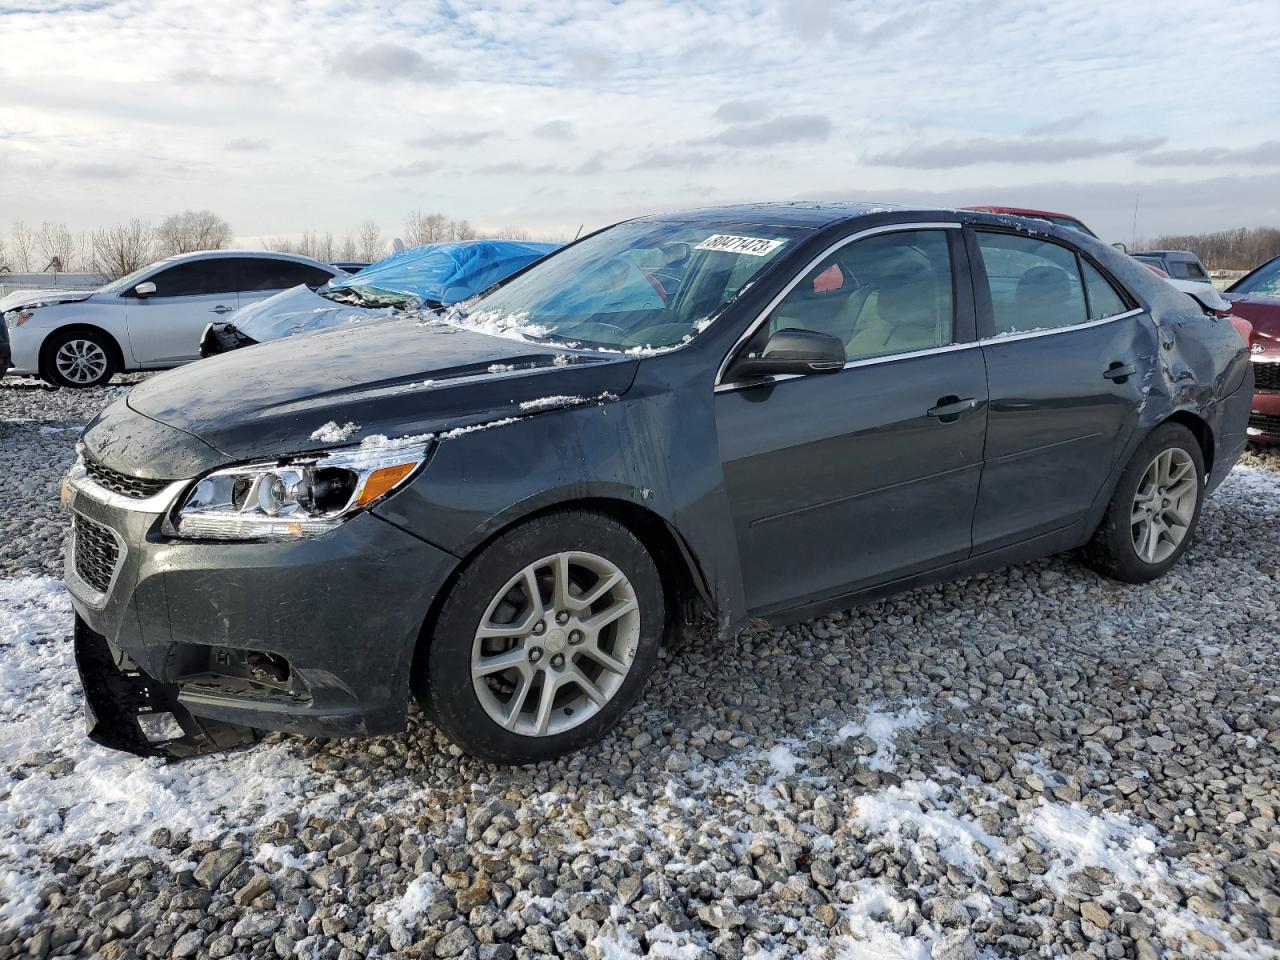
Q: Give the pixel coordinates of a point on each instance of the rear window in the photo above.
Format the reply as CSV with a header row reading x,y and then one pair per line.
x,y
1035,284
1186,270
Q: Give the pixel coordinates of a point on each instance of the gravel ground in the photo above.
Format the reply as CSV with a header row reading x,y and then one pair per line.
x,y
1038,762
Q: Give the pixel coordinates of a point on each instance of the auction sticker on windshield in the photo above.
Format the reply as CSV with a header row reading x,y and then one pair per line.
x,y
726,243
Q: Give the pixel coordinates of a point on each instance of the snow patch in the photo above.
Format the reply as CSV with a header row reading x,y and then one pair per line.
x,y
476,427
882,729
332,433
401,916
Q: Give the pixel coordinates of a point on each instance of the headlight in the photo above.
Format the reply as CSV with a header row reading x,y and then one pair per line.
x,y
294,497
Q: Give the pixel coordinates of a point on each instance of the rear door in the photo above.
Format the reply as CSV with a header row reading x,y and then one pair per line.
x,y
165,327
1069,359
840,481
257,278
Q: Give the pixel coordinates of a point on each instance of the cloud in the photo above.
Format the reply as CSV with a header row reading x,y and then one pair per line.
x,y
248,145
101,171
518,168
741,111
555,130
590,65
1053,128
593,164
674,160
389,63
815,20
964,153
453,138
415,168
1260,155
767,133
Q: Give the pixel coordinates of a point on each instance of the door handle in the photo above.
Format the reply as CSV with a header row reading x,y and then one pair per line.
x,y
221,309
1120,372
949,409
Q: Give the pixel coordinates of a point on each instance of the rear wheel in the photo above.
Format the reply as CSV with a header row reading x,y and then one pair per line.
x,y
1151,519
79,359
545,639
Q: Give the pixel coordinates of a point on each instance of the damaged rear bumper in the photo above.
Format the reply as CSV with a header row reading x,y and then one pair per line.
x,y
314,636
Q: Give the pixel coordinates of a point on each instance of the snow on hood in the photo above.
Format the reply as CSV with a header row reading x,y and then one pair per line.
x,y
42,298
394,378
298,310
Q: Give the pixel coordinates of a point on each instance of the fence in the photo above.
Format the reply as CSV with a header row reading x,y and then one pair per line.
x,y
12,282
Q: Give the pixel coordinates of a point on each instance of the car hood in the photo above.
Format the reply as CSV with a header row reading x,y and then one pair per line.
x,y
298,310
42,298
1205,293
400,377
1262,312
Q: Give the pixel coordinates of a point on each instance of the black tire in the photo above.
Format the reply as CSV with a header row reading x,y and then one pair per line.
x,y
93,343
443,681
1112,550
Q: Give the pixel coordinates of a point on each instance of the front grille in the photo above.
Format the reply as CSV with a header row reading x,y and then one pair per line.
x,y
122,483
96,553
1266,422
1266,376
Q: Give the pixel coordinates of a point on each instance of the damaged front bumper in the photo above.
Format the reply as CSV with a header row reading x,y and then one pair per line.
x,y
313,636
127,710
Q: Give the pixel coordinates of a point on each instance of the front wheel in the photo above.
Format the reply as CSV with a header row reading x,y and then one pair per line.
x,y
79,359
545,639
1152,516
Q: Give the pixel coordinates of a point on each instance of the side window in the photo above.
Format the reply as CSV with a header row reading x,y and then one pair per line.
x,y
1035,284
887,294
264,273
1104,301
194,278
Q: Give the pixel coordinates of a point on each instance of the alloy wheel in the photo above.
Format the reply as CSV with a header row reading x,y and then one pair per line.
x,y
555,644
1164,505
81,361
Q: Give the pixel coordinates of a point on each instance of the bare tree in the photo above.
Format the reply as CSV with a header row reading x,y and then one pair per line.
x,y
369,241
1240,249
420,228
347,249
4,263
462,230
57,247
192,230
511,233
122,249
23,247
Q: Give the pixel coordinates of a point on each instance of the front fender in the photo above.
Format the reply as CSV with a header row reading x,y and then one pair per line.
x,y
647,449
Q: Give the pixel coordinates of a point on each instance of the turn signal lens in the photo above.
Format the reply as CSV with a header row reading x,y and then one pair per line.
x,y
381,481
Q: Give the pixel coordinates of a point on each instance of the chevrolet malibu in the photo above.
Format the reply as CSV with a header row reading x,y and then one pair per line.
x,y
501,510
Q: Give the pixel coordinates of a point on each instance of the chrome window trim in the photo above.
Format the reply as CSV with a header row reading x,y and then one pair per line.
x,y
804,271
1033,334
849,365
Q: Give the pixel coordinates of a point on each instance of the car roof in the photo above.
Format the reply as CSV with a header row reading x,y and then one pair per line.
x,y
1024,212
256,254
1168,254
817,216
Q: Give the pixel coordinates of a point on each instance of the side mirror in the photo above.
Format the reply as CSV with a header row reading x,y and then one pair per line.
x,y
790,351
1121,247
145,289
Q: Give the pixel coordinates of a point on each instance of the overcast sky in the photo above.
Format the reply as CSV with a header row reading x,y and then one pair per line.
x,y
316,114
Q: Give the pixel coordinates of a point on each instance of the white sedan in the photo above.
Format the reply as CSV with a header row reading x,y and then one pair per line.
x,y
151,319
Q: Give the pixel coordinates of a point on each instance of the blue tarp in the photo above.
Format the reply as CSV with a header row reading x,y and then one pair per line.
x,y
443,272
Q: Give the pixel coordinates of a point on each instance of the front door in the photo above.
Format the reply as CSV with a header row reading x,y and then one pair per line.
x,y
1069,358
165,327
840,481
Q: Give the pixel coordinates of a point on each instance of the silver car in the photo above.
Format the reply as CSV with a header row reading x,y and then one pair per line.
x,y
151,319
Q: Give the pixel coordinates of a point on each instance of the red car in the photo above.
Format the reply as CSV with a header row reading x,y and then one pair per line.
x,y
1256,297
1061,219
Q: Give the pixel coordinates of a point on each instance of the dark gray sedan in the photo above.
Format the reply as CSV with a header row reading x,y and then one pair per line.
x,y
770,411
